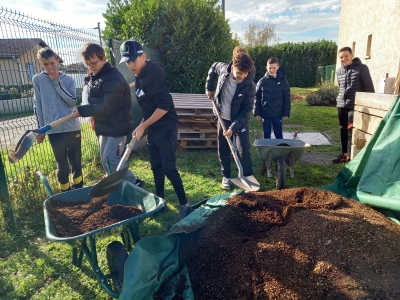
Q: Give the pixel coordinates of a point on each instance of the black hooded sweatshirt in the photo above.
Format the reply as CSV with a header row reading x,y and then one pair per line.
x,y
351,79
273,96
152,92
243,99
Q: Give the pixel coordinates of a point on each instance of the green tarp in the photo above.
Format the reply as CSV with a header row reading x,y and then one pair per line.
x,y
157,258
373,176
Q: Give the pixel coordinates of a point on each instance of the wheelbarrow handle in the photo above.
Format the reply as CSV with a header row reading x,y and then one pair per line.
x,y
45,183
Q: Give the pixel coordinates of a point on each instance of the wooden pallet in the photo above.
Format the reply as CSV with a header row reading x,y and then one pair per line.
x,y
192,105
197,144
197,131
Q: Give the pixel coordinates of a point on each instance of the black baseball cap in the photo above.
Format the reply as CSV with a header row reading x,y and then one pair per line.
x,y
130,50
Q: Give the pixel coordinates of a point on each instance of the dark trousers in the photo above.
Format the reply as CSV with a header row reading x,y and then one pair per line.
x,y
346,125
161,143
67,148
242,139
276,123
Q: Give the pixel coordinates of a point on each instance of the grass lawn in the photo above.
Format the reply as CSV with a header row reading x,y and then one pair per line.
x,y
32,267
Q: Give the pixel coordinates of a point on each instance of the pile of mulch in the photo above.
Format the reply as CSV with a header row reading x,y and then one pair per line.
x,y
75,218
294,97
294,244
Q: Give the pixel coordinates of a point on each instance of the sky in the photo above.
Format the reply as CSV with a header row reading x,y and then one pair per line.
x,y
294,20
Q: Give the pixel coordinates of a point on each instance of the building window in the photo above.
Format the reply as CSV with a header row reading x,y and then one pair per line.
x,y
30,69
353,48
368,54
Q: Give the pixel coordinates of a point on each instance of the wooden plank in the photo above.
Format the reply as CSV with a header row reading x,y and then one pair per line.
x,y
365,122
197,144
378,101
371,111
193,119
202,127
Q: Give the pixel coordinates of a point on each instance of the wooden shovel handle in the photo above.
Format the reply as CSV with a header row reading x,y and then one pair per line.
x,y
60,121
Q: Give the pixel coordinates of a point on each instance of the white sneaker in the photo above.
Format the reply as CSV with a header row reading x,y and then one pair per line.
x,y
226,183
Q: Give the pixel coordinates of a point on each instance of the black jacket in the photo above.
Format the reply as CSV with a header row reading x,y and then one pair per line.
x,y
109,103
352,79
152,92
243,99
273,96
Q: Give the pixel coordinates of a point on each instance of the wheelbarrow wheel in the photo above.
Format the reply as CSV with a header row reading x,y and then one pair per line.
x,y
280,174
116,257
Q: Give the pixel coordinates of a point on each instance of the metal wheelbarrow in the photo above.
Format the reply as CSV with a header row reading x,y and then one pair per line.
x,y
117,252
283,151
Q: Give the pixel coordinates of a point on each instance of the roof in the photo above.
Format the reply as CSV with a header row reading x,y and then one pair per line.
x,y
17,47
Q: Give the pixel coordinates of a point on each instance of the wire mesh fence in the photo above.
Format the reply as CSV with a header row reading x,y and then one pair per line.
x,y
21,36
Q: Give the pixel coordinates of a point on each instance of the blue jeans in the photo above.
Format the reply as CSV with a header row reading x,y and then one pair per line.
x,y
276,122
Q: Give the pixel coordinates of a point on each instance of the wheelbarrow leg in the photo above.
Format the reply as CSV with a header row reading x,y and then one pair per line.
x,y
134,229
77,255
269,163
292,164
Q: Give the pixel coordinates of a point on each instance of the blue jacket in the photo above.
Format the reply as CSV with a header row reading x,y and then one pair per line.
x,y
273,96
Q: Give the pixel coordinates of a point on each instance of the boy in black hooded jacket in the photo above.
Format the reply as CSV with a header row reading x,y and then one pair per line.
x,y
234,97
160,118
272,99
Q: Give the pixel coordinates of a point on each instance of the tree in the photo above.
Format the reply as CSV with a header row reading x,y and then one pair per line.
x,y
191,34
260,35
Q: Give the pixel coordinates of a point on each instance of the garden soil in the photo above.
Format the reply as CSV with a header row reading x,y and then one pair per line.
x,y
294,244
75,218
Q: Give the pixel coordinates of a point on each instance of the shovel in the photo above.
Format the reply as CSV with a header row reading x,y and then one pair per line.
x,y
247,183
112,181
28,138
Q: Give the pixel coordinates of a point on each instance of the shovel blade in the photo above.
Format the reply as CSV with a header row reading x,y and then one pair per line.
x,y
22,145
247,183
108,184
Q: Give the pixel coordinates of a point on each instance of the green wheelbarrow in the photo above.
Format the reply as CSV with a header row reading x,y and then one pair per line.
x,y
283,151
85,244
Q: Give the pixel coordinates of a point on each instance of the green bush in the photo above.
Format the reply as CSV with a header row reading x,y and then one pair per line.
x,y
8,92
325,96
191,35
301,60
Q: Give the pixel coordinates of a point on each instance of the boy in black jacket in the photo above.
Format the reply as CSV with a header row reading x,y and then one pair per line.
x,y
272,99
234,96
160,118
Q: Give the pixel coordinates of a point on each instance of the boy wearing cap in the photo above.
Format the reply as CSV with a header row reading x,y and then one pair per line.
x,y
110,106
160,118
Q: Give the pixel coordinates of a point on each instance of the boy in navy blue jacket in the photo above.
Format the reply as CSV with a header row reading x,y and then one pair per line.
x,y
272,99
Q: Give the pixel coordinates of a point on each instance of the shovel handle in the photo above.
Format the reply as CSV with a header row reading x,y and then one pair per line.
x,y
233,150
128,151
54,124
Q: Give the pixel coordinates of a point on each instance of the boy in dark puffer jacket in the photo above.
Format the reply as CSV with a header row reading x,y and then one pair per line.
x,y
272,99
352,77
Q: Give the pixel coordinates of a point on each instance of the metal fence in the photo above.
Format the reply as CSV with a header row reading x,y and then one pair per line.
x,y
20,38
326,74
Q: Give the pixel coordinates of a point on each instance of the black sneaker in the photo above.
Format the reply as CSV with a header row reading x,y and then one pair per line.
x,y
341,159
184,210
139,183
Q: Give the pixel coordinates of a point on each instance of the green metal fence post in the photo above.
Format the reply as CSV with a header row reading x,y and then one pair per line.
x,y
110,46
5,202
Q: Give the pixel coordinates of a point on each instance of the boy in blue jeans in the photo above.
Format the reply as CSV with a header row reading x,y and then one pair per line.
x,y
272,99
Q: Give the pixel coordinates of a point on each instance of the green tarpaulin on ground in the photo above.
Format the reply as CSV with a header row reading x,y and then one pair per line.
x,y
156,258
373,176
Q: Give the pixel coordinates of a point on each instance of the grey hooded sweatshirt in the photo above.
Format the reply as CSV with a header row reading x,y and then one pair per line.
x,y
54,99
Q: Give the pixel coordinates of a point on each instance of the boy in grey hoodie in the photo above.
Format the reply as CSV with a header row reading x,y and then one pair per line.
x,y
54,98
